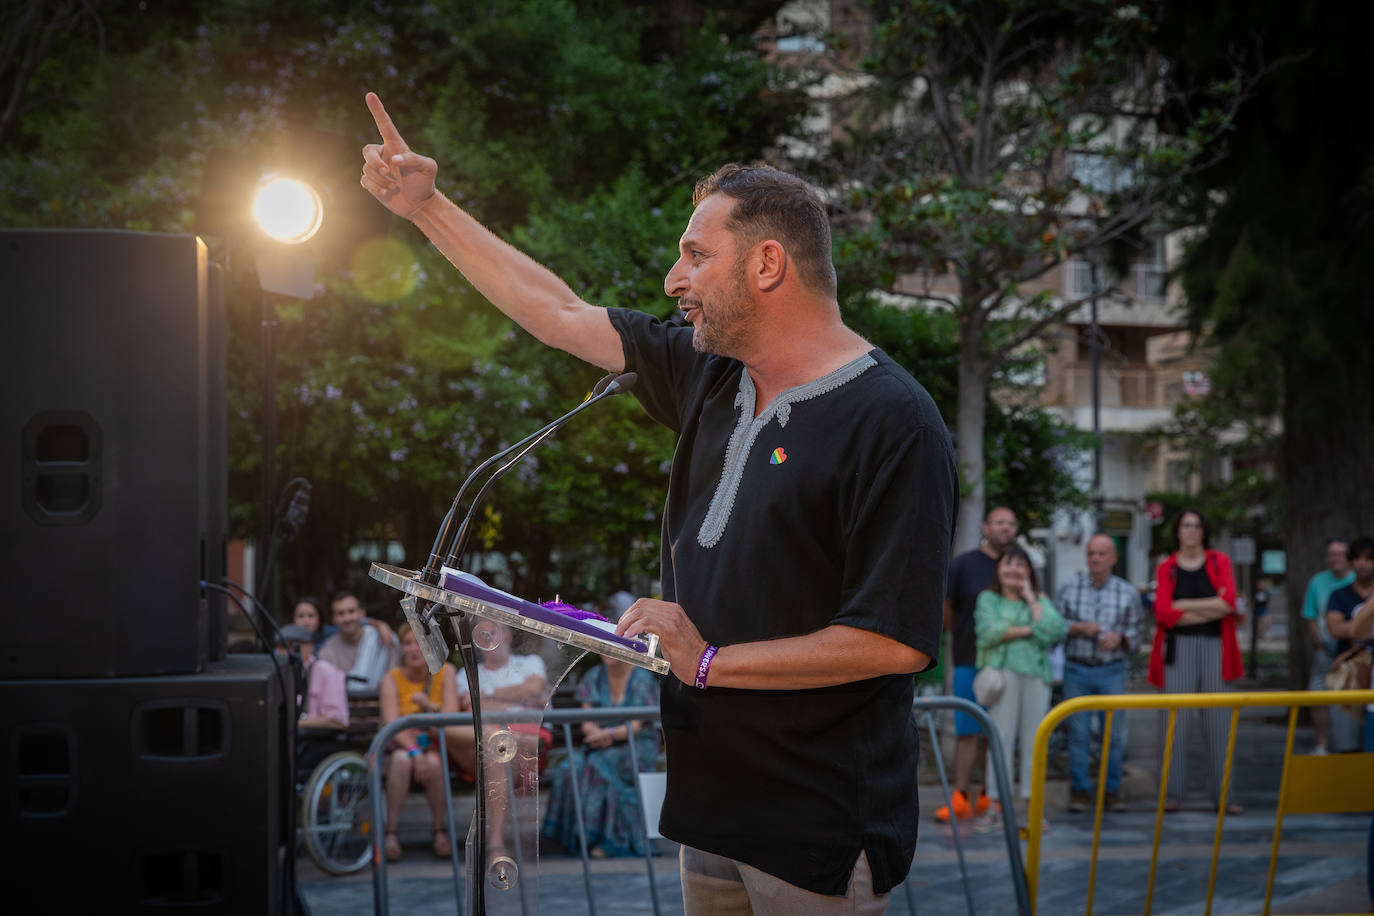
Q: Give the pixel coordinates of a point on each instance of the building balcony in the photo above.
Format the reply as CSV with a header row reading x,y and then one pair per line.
x,y
1130,398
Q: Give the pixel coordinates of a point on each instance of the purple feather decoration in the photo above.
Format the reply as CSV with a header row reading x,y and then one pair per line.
x,y
574,612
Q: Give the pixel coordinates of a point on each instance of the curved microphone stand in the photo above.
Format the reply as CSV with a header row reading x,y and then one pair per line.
x,y
427,601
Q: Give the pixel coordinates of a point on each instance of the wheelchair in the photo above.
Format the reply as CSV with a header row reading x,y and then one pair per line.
x,y
336,825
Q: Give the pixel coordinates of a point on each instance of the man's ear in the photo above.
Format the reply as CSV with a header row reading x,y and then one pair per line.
x,y
770,265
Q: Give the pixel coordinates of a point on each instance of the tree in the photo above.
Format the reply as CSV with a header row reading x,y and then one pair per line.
x,y
1041,456
1281,276
553,121
29,29
987,142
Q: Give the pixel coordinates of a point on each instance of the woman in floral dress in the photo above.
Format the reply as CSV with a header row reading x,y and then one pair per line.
x,y
605,775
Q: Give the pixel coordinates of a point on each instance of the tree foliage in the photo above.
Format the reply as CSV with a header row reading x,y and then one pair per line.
x,y
1280,277
1037,458
572,128
569,127
985,143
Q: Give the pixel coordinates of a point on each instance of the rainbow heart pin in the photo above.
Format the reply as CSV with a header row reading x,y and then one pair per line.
x,y
778,456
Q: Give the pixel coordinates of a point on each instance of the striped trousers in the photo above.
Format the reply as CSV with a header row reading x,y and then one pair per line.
x,y
1196,669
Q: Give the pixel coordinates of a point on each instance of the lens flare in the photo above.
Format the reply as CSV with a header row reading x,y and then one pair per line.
x,y
288,210
384,270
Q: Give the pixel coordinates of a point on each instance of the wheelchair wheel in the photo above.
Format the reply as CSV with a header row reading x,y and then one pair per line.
x,y
336,814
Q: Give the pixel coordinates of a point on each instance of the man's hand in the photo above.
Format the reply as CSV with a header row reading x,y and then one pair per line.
x,y
1088,628
1109,642
678,638
403,181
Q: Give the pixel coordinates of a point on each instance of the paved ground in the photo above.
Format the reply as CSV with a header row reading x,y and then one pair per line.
x,y
1320,867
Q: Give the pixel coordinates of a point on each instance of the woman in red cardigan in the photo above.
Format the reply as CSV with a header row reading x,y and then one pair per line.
x,y
1195,648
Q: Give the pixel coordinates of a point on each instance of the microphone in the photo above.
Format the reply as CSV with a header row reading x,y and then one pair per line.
x,y
614,385
444,542
297,512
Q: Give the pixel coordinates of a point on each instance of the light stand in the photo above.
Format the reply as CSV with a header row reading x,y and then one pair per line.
x,y
268,423
285,267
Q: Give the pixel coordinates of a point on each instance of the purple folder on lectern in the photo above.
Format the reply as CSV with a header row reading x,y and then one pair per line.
x,y
469,586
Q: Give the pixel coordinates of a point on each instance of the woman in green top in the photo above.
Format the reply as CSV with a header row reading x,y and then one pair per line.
x,y
1016,626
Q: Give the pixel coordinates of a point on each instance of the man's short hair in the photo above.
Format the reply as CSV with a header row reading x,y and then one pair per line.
x,y
1101,534
341,595
988,516
1361,546
1330,541
771,204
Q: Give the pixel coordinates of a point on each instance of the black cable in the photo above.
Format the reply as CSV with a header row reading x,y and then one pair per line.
x,y
289,711
247,615
276,630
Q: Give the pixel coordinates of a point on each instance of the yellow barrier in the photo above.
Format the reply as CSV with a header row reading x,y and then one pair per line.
x,y
1309,785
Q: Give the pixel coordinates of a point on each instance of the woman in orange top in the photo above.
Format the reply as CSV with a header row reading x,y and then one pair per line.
x,y
407,689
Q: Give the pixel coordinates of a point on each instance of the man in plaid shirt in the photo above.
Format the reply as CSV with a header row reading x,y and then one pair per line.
x,y
1104,616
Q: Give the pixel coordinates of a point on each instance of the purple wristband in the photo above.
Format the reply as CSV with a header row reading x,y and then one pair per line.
x,y
704,666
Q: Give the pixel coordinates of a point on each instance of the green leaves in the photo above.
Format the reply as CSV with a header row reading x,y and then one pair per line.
x,y
564,126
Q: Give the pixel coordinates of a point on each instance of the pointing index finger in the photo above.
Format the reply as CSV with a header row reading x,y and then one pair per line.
x,y
390,135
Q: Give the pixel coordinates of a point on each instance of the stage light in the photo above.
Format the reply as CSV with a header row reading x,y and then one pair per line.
x,y
288,210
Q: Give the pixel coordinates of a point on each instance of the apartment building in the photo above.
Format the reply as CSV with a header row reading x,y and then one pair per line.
x,y
1146,361
1147,364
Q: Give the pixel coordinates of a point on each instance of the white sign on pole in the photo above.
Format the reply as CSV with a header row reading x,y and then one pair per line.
x,y
1243,551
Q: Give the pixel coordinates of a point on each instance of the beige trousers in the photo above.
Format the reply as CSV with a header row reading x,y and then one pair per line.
x,y
713,885
1017,714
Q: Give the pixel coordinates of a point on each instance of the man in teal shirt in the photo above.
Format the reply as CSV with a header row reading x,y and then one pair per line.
x,y
1336,575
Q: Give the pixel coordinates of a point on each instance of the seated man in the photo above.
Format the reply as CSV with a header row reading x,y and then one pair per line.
x,y
363,649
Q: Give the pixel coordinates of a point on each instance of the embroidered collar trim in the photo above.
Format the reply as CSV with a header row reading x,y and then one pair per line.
x,y
747,429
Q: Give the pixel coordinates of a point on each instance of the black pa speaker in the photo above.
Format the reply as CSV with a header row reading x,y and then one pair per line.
x,y
158,794
111,464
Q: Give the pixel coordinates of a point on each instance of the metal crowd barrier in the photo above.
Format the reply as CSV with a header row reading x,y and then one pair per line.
x,y
924,708
1309,784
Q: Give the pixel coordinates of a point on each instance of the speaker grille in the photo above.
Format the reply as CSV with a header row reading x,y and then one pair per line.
x,y
182,730
43,764
61,468
176,879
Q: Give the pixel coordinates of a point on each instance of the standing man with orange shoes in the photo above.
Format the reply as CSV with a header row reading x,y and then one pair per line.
x,y
969,574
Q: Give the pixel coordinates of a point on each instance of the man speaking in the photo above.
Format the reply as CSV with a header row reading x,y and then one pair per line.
x,y
806,535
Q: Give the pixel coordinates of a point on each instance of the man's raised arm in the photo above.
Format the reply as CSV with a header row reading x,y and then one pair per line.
x,y
526,291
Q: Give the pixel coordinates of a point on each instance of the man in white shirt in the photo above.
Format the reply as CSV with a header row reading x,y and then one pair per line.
x,y
365,650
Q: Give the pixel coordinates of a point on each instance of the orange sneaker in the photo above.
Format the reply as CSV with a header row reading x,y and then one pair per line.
x,y
962,809
981,806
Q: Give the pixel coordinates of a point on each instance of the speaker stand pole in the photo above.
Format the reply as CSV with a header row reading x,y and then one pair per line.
x,y
269,444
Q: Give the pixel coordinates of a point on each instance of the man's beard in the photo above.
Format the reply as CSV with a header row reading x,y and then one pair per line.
x,y
729,328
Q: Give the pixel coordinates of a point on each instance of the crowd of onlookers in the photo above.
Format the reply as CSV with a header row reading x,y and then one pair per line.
x,y
360,656
1007,633
1011,644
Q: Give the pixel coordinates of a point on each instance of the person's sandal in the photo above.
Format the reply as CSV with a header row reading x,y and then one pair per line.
x,y
442,847
393,847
